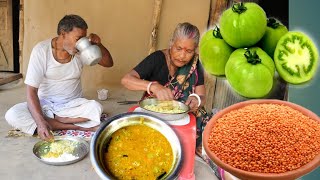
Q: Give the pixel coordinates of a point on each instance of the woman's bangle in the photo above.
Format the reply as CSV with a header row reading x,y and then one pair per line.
x,y
198,97
148,87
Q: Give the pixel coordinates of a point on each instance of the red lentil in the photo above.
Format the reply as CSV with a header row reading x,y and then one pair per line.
x,y
267,138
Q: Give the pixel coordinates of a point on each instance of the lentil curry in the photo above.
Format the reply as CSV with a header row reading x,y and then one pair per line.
x,y
266,138
138,152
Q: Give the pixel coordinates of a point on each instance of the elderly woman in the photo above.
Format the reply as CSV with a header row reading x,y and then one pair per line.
x,y
174,73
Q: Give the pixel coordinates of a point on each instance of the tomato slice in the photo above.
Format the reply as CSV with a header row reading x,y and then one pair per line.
x,y
296,57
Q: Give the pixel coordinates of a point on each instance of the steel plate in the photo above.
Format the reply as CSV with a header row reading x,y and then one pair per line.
x,y
81,149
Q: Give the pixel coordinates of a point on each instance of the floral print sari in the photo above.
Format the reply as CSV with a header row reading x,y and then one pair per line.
x,y
183,84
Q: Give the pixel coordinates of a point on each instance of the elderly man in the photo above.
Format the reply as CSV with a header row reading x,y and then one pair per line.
x,y
54,93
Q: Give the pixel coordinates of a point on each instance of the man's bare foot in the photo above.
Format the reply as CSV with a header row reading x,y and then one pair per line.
x,y
95,128
60,119
70,120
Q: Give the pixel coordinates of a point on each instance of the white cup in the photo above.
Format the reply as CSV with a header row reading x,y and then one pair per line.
x,y
102,94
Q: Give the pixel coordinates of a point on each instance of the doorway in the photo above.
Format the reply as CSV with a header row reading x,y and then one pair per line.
x,y
9,41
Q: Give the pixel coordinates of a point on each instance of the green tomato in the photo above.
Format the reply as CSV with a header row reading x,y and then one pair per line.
x,y
250,72
214,52
243,25
296,57
208,36
275,30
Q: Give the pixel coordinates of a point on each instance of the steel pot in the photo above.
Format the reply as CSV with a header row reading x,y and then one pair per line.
x,y
101,138
89,54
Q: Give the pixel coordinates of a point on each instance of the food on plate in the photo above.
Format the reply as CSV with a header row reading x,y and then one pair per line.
x,y
59,150
138,152
164,107
250,72
265,138
214,52
275,30
296,57
243,25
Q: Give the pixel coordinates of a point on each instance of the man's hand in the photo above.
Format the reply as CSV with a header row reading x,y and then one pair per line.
x,y
94,39
43,127
106,60
43,130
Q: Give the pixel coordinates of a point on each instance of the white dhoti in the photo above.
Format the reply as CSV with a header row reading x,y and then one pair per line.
x,y
20,117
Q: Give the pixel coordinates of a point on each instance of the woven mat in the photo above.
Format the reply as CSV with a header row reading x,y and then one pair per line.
x,y
87,135
78,133
74,133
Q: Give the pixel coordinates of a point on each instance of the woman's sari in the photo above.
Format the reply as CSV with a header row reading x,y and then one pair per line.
x,y
183,84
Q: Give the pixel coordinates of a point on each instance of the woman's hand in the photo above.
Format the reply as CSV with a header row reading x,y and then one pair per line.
x,y
193,103
161,92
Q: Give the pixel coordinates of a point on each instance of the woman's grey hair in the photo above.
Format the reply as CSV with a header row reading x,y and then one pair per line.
x,y
68,22
186,30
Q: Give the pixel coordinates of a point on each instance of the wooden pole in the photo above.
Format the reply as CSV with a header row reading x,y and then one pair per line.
x,y
155,25
21,33
216,8
210,83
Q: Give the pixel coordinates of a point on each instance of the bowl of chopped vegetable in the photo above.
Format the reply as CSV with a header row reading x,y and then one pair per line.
x,y
136,145
167,110
264,139
62,151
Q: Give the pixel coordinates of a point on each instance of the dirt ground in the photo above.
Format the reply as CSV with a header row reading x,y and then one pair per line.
x,y
16,157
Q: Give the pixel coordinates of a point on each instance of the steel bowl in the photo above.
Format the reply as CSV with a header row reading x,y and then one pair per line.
x,y
165,116
80,151
99,142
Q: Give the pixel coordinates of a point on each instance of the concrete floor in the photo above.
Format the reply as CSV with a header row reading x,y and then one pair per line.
x,y
16,157
17,161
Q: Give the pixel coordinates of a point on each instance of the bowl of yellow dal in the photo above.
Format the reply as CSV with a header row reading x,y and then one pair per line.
x,y
136,145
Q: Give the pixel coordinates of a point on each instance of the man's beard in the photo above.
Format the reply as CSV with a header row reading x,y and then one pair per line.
x,y
70,51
